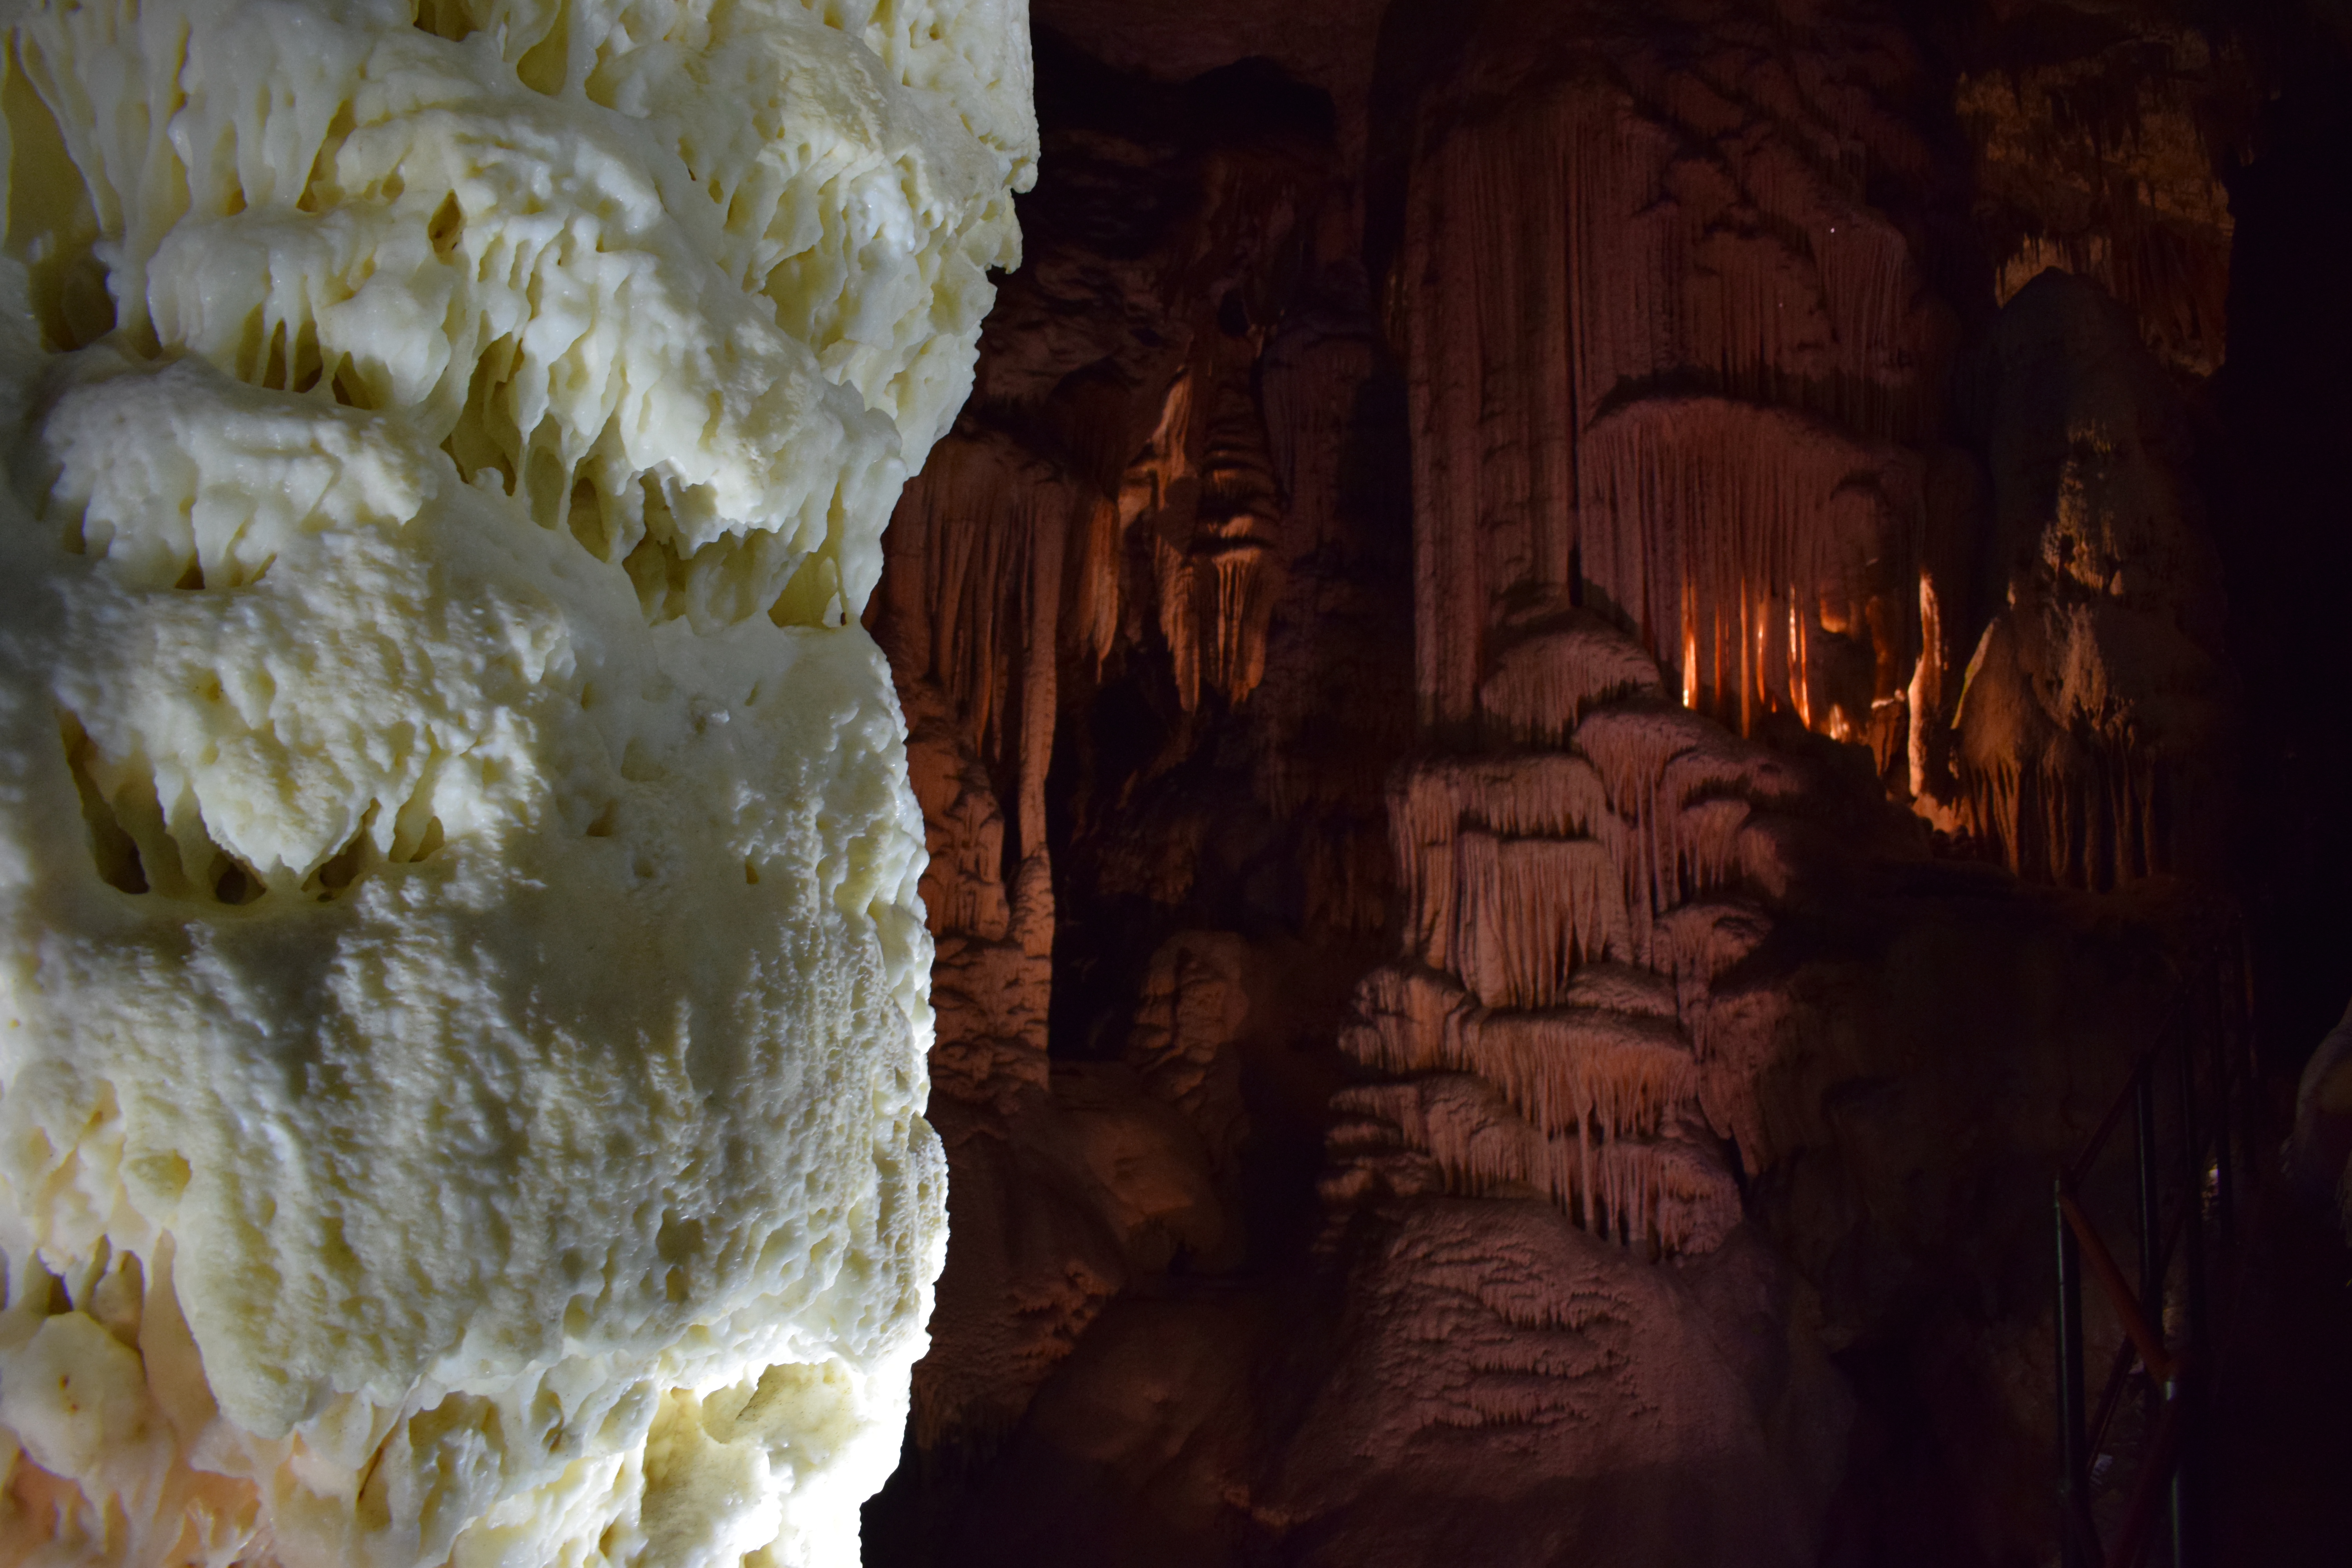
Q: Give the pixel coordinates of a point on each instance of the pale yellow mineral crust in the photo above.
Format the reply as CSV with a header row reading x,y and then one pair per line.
x,y
463,994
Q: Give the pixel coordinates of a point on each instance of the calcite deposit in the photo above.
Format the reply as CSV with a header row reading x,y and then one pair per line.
x,y
1716,348
465,984
1572,722
1578,682
2096,703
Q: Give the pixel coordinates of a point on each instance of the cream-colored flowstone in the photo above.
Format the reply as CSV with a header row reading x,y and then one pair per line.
x,y
463,995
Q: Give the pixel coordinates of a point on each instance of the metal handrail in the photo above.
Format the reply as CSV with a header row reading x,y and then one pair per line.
x,y
2126,1351
2153,1353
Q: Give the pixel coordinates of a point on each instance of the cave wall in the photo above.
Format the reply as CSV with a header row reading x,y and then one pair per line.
x,y
1571,689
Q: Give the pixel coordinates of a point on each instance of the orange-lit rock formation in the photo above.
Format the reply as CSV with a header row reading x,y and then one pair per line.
x,y
1665,352
1567,912
1567,735
1132,549
2091,716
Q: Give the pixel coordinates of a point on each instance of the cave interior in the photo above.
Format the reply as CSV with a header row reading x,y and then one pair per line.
x,y
1586,682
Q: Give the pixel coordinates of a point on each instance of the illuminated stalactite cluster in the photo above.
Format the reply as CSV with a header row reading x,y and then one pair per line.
x,y
1341,1022
1768,550
1568,911
1674,359
983,551
1202,495
1132,550
1669,369
1664,357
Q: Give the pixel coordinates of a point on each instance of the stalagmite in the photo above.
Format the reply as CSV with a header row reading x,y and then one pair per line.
x,y
461,1095
1545,1026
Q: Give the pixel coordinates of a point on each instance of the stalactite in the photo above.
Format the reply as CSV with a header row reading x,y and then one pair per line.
x,y
1327,629
1526,911
975,614
1747,538
1666,1192
1203,485
1234,584
1546,794
1308,381
1739,1032
1569,256
1541,685
1091,628
2093,816
1150,476
1566,921
993,971
1621,988
963,886
1681,793
1554,797
1700,943
2075,807
1556,1067
2101,162
981,561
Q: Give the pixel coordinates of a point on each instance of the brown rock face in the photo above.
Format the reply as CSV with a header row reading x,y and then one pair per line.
x,y
2097,143
1569,682
1118,598
2093,711
1511,1389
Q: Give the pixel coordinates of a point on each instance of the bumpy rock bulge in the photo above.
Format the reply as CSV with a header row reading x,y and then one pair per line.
x,y
462,990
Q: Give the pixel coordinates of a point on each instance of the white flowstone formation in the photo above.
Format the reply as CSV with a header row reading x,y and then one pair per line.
x,y
463,994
